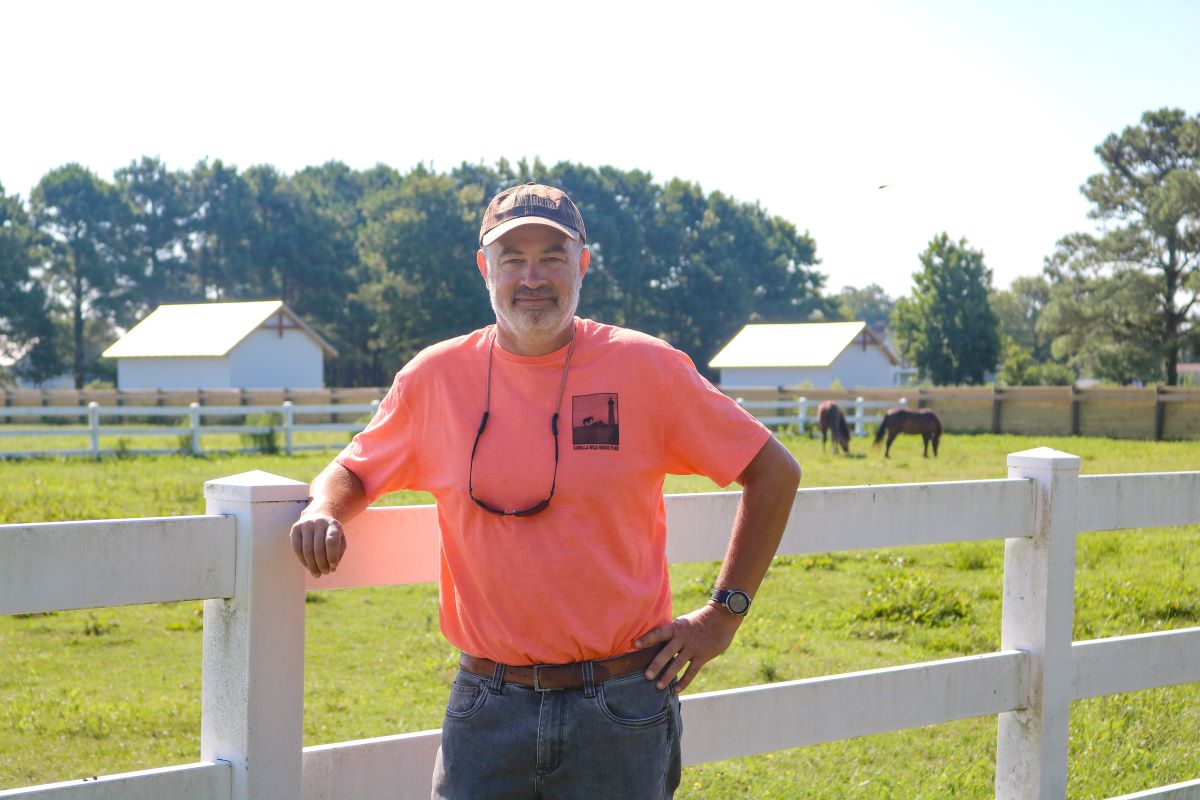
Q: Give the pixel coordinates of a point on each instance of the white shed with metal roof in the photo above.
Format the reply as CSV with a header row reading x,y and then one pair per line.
x,y
812,353
254,345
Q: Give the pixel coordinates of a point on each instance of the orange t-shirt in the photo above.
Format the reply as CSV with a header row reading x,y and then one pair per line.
x,y
588,575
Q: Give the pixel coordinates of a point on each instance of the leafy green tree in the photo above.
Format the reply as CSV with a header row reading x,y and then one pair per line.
x,y
335,193
156,236
1026,357
871,304
1105,325
81,218
1019,310
298,254
220,232
417,248
946,328
1018,367
1124,299
26,332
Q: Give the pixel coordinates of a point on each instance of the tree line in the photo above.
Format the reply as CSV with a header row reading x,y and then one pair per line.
x,y
382,264
379,262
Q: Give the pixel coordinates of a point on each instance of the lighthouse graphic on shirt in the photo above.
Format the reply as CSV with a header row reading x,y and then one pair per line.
x,y
595,422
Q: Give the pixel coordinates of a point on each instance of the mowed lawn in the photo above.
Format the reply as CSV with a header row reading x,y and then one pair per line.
x,y
94,692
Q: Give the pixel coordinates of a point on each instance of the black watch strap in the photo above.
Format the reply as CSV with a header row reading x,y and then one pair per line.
x,y
735,601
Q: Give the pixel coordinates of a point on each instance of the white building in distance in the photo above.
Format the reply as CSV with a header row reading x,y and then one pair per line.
x,y
257,345
811,353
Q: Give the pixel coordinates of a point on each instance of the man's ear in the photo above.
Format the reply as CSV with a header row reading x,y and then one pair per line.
x,y
585,258
481,262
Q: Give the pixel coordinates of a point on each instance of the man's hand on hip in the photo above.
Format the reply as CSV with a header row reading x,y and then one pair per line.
x,y
319,542
693,639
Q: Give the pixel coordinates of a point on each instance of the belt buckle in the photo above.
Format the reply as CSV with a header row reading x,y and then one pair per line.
x,y
537,679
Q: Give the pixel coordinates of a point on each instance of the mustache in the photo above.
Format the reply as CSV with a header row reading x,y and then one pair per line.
x,y
534,294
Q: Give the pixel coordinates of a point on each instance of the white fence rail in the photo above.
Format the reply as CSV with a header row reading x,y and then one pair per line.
x,y
806,412
253,655
188,435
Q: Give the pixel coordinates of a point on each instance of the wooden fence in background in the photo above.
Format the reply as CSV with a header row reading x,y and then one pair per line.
x,y
185,397
1154,412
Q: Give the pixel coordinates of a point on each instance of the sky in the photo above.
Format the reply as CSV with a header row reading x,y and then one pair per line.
x,y
871,125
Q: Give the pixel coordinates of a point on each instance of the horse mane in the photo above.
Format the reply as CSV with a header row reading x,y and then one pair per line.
x,y
843,428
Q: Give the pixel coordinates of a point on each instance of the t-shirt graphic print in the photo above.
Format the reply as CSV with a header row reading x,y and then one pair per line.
x,y
595,422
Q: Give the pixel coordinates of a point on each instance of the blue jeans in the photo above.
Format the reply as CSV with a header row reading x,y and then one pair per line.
x,y
617,740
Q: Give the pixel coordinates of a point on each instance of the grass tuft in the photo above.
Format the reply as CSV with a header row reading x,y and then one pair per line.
x,y
900,595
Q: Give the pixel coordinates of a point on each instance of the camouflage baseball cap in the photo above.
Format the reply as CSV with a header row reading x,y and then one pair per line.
x,y
530,203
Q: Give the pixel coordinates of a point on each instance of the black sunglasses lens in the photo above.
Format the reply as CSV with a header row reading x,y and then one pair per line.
x,y
529,512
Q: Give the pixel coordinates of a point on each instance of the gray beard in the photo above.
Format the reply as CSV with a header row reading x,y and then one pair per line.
x,y
535,324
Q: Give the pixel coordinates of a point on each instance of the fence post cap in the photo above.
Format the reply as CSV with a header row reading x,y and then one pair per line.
x,y
1044,458
256,486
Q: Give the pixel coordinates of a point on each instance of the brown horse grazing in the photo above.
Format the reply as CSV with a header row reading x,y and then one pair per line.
x,y
902,420
830,418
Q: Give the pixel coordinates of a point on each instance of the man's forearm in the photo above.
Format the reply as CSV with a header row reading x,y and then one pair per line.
x,y
338,493
769,489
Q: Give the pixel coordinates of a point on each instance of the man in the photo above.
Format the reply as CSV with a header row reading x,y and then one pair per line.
x,y
545,440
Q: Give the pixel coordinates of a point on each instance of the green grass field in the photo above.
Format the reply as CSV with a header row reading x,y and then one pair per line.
x,y
101,691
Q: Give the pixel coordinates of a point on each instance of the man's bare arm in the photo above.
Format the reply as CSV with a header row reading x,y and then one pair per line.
x,y
317,537
769,488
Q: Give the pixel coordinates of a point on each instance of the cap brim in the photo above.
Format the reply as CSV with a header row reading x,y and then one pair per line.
x,y
508,225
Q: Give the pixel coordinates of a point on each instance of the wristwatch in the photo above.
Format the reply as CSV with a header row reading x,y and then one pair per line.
x,y
735,601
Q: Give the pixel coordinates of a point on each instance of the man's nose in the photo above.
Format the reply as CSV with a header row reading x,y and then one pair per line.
x,y
533,276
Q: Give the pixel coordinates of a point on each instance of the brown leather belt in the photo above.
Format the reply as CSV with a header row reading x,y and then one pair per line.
x,y
555,677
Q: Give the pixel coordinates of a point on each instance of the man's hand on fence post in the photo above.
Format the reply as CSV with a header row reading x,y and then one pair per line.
x,y
319,542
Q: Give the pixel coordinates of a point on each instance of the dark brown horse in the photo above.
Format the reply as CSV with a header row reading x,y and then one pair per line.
x,y
903,420
830,418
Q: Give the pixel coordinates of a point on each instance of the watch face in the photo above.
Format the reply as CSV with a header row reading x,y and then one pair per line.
x,y
738,603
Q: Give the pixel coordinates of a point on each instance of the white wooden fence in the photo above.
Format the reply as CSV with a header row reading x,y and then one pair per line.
x,y
238,558
189,435
806,411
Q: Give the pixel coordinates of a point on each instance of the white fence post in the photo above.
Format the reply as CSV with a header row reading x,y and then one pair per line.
x,y
859,410
93,418
289,417
1039,608
802,417
194,420
252,700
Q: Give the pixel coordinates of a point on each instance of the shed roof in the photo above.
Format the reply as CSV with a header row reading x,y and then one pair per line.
x,y
805,344
193,330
